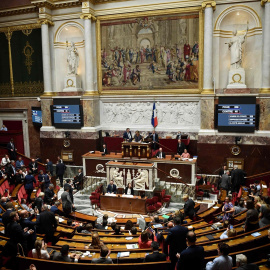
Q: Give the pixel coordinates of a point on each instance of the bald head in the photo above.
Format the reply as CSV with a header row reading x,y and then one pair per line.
x,y
170,225
23,213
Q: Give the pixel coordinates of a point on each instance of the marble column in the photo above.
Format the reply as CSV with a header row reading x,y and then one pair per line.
x,y
46,56
89,63
208,7
266,49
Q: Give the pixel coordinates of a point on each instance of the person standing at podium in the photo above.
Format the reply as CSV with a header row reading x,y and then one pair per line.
x,y
111,187
127,135
154,137
129,190
180,147
137,136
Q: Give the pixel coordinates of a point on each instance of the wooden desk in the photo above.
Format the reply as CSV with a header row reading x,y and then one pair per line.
x,y
136,149
123,204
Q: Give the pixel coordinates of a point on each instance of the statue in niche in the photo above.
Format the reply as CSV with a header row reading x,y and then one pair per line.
x,y
72,59
141,179
235,46
118,178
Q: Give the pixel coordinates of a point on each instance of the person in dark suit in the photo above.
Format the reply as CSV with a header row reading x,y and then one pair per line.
x,y
46,223
155,140
11,173
12,150
78,180
29,186
191,258
39,201
33,166
66,201
104,149
103,259
237,178
189,207
179,135
49,166
176,239
68,184
180,147
155,256
50,196
129,189
111,187
222,171
63,256
127,135
5,216
60,170
160,153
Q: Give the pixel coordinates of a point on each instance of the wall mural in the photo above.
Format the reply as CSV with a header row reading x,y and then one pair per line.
x,y
149,53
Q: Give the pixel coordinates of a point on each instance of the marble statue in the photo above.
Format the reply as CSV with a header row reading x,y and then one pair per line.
x,y
72,59
235,46
141,179
118,178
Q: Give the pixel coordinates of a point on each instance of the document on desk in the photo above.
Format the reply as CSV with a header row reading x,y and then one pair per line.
x,y
123,254
127,196
110,194
132,246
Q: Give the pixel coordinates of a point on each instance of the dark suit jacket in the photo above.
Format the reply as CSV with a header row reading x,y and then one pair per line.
x,y
125,136
104,150
180,148
29,180
32,165
189,208
191,258
12,154
48,196
38,203
5,218
177,240
132,191
47,224
19,178
155,257
57,256
238,177
152,137
111,189
49,167
60,168
162,154
11,170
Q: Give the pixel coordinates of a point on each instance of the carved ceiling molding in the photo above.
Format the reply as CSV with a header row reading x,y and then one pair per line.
x,y
17,11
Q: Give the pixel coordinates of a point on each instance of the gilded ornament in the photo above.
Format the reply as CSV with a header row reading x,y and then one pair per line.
x,y
28,51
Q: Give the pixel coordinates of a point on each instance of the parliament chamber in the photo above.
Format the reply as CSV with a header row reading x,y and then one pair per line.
x,y
134,134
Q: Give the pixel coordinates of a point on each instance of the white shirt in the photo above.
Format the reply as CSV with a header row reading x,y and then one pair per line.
x,y
5,161
44,254
129,191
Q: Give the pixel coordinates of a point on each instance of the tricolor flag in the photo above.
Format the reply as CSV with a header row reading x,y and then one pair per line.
x,y
154,116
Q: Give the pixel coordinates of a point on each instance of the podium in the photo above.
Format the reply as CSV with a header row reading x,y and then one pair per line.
x,y
136,149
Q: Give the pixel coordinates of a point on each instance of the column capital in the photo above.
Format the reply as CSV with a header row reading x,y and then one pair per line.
x,y
263,2
45,21
211,3
88,16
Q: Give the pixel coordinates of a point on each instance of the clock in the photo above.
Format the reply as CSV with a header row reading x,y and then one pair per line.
x,y
235,150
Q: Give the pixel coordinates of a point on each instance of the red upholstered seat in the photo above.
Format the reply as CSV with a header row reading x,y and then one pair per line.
x,y
151,209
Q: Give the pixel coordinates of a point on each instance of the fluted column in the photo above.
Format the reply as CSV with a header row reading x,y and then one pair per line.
x,y
46,56
208,7
89,63
266,49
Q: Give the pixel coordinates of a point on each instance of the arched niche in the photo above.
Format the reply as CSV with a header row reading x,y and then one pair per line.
x,y
236,18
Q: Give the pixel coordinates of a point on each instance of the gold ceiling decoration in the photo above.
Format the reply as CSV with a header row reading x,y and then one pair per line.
x,y
28,51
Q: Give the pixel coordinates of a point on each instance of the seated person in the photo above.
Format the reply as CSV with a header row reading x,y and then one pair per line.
x,y
180,147
104,253
103,226
5,160
63,255
104,149
40,250
96,243
127,135
133,231
117,230
144,239
160,154
202,180
128,225
129,189
113,225
185,154
241,263
137,136
228,233
111,187
155,256
88,228
19,163
240,207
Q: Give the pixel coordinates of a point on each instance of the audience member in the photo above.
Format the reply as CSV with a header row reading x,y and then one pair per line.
x,y
25,206
19,163
225,181
5,160
12,149
240,207
160,153
29,184
88,228
44,179
228,233
128,225
11,173
3,128
63,255
223,170
191,258
227,209
156,256
50,196
19,177
176,239
49,166
5,216
241,263
202,180
129,189
189,207
33,166
223,261
54,208
68,184
264,212
144,241
133,231
40,250
117,230
96,243
113,225
60,170
252,221
78,180
39,201
185,154
66,201
238,179
103,225
104,149
180,147
103,259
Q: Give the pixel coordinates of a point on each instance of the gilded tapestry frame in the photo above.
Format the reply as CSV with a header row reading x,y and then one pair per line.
x,y
147,14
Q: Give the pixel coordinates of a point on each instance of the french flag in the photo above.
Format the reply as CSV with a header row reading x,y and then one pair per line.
x,y
154,116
